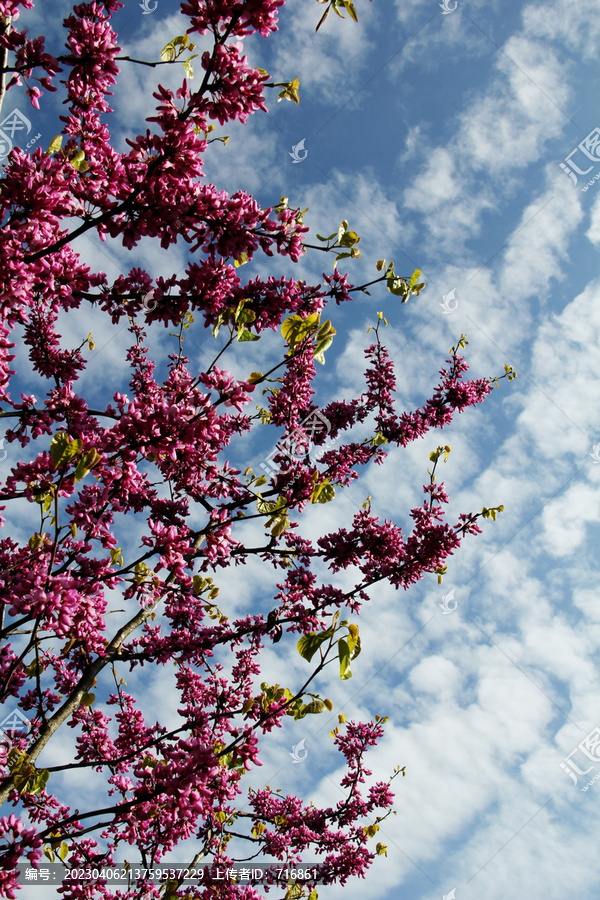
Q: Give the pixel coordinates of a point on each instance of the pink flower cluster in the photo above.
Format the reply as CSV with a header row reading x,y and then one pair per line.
x,y
19,842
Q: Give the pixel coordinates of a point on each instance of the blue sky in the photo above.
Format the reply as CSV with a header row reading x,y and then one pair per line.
x,y
439,137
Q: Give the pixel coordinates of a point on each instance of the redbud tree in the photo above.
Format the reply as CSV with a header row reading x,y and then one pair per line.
x,y
81,606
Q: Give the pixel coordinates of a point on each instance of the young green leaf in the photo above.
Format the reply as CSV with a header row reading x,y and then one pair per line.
x,y
55,145
245,335
315,706
310,643
414,277
290,91
62,448
323,493
344,657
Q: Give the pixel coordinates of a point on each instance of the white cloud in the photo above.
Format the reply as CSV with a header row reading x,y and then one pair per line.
x,y
570,23
593,232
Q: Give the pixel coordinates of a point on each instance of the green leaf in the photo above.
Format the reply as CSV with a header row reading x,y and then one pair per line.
x,y
414,277
62,448
265,506
290,91
116,555
294,329
38,783
241,260
323,493
309,643
33,669
348,239
378,440
281,523
85,465
342,256
324,340
27,779
245,335
353,639
35,541
344,656
55,145
44,497
350,7
22,778
315,706
218,323
397,286
169,51
283,203
321,20
188,69
141,571
88,699
325,330
245,316
78,161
